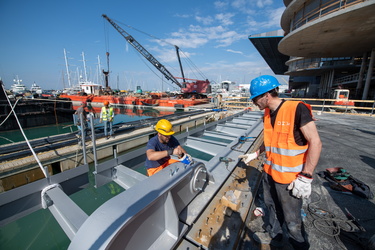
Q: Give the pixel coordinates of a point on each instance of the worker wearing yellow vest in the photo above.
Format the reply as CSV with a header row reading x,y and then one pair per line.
x,y
107,115
292,146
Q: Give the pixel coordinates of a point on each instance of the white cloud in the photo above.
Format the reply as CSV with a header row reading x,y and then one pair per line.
x,y
224,19
239,4
165,55
271,21
209,32
275,16
182,15
220,5
234,51
187,39
241,72
227,38
205,20
263,3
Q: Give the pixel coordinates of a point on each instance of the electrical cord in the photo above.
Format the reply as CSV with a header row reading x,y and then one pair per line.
x,y
327,223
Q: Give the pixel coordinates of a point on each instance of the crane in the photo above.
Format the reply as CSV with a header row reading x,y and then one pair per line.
x,y
144,52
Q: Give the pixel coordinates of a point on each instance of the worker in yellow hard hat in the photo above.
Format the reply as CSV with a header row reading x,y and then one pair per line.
x,y
107,115
160,148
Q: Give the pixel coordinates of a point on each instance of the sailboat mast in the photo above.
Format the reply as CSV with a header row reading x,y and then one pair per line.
x,y
67,68
99,67
84,65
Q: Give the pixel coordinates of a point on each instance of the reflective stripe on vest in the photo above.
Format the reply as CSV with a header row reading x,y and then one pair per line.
x,y
286,152
285,169
105,115
285,158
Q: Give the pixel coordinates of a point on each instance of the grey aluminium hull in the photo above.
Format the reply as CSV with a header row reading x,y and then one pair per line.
x,y
154,212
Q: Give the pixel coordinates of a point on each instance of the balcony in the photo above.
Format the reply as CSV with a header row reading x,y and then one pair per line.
x,y
328,28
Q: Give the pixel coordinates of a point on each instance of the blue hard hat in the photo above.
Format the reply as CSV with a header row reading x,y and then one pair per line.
x,y
262,84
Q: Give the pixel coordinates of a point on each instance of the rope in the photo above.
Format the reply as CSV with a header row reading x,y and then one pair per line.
x,y
6,118
7,139
42,194
23,133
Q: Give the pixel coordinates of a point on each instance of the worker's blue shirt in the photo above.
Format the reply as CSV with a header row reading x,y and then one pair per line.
x,y
156,145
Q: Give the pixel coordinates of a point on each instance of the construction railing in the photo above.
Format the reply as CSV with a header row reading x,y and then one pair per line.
x,y
237,103
362,107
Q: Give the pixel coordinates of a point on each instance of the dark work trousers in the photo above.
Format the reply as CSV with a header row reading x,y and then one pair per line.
x,y
283,208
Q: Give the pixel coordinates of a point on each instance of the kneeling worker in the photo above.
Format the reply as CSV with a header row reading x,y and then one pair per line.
x,y
160,148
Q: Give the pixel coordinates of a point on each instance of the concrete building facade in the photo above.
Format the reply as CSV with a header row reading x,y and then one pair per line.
x,y
330,44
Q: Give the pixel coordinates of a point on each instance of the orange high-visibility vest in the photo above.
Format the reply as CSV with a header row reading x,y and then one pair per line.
x,y
285,158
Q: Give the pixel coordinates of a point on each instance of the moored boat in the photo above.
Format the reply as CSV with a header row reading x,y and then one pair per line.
x,y
18,87
145,100
36,89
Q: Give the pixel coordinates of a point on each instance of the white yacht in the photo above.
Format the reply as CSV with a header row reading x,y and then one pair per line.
x,y
36,89
18,87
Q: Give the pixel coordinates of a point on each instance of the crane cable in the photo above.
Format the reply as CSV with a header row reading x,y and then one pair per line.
x,y
148,66
106,36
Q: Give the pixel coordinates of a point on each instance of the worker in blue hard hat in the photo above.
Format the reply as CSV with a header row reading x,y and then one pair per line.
x,y
292,146
262,85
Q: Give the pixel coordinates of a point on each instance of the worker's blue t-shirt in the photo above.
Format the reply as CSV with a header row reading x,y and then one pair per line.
x,y
156,145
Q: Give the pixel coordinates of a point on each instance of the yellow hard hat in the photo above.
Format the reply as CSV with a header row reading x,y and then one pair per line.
x,y
164,127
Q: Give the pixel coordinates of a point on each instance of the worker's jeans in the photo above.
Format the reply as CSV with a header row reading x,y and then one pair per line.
x,y
106,125
80,129
283,208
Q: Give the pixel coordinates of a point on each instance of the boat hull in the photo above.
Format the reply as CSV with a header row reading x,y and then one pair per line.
x,y
134,100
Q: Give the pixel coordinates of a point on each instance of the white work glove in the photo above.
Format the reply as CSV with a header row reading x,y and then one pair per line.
x,y
187,159
247,158
190,158
301,187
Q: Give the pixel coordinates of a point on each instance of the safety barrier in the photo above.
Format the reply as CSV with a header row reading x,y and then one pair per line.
x,y
362,107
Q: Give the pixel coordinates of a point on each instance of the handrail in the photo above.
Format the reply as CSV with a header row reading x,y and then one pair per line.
x,y
320,105
320,12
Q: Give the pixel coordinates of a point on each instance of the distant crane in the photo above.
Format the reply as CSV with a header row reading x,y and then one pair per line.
x,y
143,52
195,87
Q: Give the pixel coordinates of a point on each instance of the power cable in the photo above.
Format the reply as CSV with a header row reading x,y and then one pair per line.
x,y
327,223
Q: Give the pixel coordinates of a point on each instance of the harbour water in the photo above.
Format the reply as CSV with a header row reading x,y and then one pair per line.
x,y
123,115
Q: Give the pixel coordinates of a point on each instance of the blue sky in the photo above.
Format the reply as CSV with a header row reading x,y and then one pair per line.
x,y
212,34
